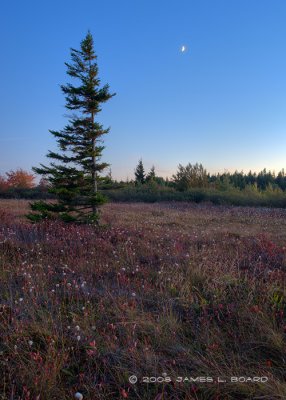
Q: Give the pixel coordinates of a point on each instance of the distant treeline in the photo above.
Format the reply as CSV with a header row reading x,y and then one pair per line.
x,y
190,183
261,180
196,176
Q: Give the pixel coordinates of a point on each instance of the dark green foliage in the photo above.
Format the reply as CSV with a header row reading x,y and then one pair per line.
x,y
151,175
73,176
281,180
235,197
34,193
263,180
139,173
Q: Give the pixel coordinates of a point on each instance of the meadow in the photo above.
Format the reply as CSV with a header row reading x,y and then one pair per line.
x,y
189,298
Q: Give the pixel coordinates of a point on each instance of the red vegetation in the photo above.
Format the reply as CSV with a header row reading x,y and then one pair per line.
x,y
164,292
18,179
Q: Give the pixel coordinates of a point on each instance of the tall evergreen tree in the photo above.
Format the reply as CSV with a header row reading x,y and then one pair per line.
x,y
139,173
74,174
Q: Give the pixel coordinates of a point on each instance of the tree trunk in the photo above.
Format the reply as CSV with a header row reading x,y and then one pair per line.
x,y
94,177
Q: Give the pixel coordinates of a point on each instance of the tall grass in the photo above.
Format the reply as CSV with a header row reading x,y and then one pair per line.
x,y
165,292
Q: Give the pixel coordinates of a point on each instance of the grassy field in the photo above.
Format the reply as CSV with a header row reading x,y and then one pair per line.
x,y
189,298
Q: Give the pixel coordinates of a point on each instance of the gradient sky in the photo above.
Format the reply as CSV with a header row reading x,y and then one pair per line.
x,y
221,103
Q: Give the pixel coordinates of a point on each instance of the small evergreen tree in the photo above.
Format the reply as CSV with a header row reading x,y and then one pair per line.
x,y
73,176
281,180
139,173
250,178
151,175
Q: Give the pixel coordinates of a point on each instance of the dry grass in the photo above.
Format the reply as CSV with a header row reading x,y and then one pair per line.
x,y
176,289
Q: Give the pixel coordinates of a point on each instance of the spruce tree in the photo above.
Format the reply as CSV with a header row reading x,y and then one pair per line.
x,y
139,173
73,175
151,175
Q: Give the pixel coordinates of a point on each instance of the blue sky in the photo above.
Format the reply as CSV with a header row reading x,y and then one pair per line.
x,y
221,103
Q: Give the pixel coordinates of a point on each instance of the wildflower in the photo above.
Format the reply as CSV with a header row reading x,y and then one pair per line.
x,y
77,328
93,349
30,342
268,363
21,299
124,394
133,294
78,338
78,396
